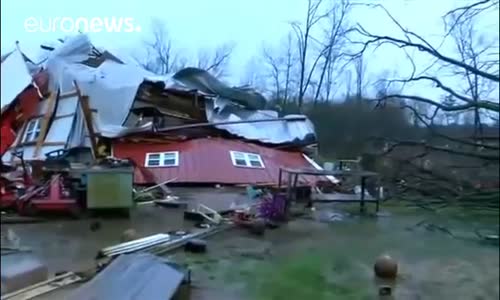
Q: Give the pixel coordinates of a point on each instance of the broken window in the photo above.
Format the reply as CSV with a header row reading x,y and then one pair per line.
x,y
164,159
249,160
32,131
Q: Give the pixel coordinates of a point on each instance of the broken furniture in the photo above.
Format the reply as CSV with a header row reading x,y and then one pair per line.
x,y
204,213
171,202
109,188
362,197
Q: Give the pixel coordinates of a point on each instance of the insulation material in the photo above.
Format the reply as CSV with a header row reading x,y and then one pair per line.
x,y
112,91
111,87
15,77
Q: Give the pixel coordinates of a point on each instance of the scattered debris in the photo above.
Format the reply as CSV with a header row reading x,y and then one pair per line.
x,y
385,291
491,237
196,246
94,226
171,202
431,227
135,245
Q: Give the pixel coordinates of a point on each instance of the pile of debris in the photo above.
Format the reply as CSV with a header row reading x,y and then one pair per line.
x,y
84,105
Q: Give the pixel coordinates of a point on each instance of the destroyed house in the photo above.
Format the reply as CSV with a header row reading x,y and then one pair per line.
x,y
189,126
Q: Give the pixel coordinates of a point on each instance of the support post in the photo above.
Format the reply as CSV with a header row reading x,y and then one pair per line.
x,y
294,186
362,203
279,179
288,193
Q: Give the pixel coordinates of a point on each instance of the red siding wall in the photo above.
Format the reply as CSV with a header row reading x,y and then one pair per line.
x,y
208,161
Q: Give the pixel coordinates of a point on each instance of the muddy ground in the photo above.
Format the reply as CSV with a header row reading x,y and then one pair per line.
x,y
304,259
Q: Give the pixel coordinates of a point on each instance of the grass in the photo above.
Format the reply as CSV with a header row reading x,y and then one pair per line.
x,y
334,261
314,275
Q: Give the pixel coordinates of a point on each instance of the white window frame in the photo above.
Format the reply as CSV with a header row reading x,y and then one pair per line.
x,y
161,163
246,155
30,135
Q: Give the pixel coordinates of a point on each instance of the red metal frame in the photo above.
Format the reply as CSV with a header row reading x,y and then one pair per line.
x,y
57,200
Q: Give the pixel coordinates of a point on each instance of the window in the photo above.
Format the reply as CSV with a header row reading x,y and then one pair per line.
x,y
165,159
248,160
32,131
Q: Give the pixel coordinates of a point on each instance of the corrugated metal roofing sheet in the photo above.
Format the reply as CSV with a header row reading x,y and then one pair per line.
x,y
208,160
275,132
130,277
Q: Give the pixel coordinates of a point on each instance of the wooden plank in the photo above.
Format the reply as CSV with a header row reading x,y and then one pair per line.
x,y
44,127
43,287
19,140
87,114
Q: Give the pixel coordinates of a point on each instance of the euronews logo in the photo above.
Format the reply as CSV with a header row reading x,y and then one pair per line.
x,y
81,24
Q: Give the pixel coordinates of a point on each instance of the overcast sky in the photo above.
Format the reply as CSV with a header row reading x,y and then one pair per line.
x,y
196,24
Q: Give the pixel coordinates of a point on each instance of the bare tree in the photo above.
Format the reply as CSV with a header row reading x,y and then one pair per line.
x,y
334,41
360,70
304,40
348,80
217,60
472,48
289,60
161,58
449,157
280,66
250,77
274,63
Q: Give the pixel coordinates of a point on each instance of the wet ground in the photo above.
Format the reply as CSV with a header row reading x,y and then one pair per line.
x,y
304,259
67,245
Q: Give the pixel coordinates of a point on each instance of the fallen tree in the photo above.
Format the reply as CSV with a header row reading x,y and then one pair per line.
x,y
442,167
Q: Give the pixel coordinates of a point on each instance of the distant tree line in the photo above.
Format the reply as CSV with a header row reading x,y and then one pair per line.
x,y
444,146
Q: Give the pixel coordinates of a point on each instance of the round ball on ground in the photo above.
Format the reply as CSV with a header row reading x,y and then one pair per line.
x,y
386,267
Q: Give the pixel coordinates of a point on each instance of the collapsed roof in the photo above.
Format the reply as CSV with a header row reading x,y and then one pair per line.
x,y
75,67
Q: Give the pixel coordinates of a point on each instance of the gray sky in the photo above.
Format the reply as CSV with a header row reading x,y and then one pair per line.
x,y
196,24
